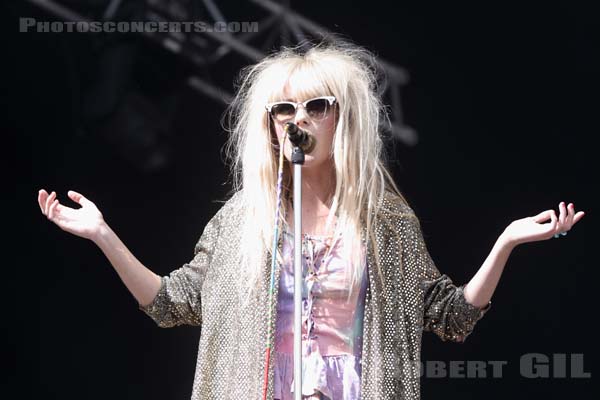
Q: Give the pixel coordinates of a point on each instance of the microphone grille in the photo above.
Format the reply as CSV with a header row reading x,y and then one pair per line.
x,y
290,128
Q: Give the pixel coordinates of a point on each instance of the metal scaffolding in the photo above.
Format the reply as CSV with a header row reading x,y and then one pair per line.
x,y
279,25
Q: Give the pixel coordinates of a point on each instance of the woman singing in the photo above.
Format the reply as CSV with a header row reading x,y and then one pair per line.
x,y
370,287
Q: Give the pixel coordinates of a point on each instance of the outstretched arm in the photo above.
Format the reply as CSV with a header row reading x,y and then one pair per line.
x,y
481,287
87,222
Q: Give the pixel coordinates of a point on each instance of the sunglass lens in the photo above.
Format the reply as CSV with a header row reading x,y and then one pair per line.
x,y
317,108
283,110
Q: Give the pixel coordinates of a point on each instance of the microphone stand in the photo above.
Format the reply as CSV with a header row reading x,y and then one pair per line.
x,y
298,161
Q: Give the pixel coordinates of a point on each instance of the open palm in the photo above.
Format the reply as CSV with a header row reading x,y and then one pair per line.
x,y
84,222
532,229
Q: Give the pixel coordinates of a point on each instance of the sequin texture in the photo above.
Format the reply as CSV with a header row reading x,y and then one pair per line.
x,y
409,297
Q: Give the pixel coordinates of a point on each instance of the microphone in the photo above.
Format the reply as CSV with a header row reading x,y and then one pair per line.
x,y
299,137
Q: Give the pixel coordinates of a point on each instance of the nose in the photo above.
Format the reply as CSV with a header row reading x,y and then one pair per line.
x,y
301,115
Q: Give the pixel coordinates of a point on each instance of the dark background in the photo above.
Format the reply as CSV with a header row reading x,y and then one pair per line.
x,y
500,95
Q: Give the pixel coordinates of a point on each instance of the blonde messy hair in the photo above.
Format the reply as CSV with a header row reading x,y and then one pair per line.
x,y
336,68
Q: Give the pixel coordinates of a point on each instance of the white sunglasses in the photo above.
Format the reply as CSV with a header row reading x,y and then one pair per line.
x,y
316,108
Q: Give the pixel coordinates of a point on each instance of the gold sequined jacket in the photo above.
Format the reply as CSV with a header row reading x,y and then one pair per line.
x,y
231,354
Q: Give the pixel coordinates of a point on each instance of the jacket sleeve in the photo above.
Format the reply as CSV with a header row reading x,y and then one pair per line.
x,y
178,299
446,311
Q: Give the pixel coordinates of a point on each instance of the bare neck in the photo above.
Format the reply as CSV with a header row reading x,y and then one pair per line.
x,y
317,193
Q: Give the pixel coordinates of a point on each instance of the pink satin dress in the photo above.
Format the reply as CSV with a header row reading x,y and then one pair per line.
x,y
331,324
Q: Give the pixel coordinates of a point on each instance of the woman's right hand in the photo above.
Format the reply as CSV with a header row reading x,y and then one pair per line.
x,y
85,222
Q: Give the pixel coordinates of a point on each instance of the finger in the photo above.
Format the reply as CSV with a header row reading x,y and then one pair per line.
x,y
543,216
49,201
578,216
78,198
548,228
51,210
42,199
554,221
563,213
570,215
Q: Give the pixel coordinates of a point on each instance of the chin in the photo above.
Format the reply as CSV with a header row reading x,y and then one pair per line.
x,y
312,162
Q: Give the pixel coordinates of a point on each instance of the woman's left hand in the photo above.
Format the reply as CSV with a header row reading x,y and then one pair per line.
x,y
533,229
